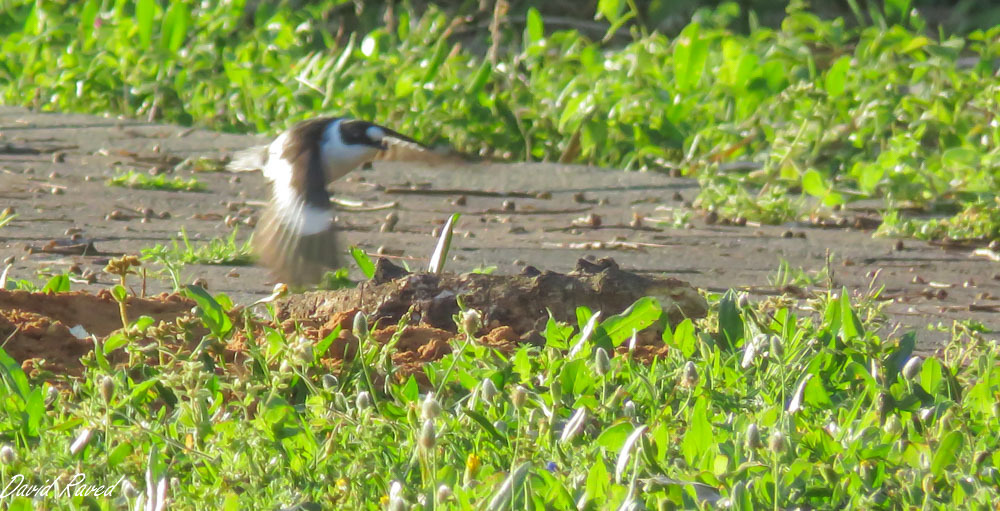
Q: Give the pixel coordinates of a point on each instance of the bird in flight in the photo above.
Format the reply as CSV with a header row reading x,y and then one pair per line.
x,y
296,237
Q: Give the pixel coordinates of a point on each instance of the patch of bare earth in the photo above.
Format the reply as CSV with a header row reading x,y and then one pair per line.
x,y
412,312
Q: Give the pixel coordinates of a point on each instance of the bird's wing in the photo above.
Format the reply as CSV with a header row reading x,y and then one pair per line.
x,y
295,236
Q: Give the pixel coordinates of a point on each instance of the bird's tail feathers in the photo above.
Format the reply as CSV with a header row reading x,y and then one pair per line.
x,y
248,160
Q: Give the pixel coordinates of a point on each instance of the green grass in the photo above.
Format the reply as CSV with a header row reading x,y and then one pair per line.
x,y
225,251
820,412
137,180
872,106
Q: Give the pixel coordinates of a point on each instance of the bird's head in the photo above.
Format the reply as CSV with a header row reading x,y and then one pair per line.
x,y
363,133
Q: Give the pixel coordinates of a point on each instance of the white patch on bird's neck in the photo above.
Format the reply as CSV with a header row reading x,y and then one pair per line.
x,y
340,158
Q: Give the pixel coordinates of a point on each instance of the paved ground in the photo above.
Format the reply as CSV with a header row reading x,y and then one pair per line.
x,y
54,168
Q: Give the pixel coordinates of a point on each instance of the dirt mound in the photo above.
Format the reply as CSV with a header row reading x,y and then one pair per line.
x,y
57,327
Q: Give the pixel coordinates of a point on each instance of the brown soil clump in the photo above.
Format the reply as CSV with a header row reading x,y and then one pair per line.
x,y
39,325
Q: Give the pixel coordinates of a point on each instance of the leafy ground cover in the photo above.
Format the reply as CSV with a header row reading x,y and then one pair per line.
x,y
872,106
759,405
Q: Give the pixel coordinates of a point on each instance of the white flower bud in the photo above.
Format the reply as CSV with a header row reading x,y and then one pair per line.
x,y
360,325
128,490
690,375
444,493
630,409
574,425
519,396
753,437
487,390
777,348
364,400
107,388
892,425
749,353
330,382
431,408
777,442
472,321
912,368
602,364
7,455
81,441
428,437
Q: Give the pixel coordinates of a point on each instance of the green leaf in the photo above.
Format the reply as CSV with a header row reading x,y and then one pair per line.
x,y
690,55
947,452
730,321
698,438
145,10
614,436
13,376
119,293
441,50
611,10
210,311
960,158
175,26
637,317
479,80
486,425
364,262
850,323
118,454
685,339
534,28
836,77
812,183
410,391
57,284
598,481
324,344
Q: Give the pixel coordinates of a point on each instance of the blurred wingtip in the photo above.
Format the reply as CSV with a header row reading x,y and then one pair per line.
x,y
294,258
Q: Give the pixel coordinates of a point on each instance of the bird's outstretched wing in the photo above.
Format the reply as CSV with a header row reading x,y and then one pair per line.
x,y
295,236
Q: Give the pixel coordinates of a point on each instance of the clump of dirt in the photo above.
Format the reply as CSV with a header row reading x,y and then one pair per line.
x,y
521,302
57,327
